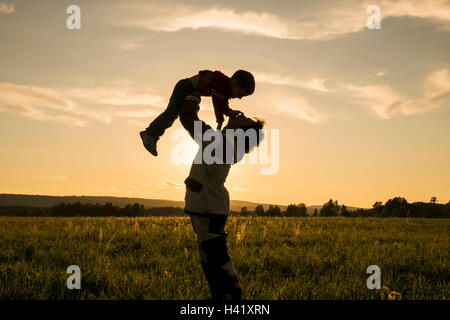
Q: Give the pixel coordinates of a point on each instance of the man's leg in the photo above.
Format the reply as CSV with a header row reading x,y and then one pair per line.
x,y
215,261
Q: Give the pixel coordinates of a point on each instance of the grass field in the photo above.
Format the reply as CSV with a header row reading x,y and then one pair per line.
x,y
276,258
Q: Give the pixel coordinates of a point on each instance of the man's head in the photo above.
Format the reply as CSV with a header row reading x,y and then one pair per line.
x,y
254,125
242,84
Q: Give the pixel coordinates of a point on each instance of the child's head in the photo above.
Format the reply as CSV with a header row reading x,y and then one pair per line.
x,y
242,84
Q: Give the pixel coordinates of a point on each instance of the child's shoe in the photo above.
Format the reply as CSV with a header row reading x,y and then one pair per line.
x,y
149,142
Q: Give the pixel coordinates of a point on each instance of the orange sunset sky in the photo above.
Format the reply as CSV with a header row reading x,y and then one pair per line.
x,y
363,115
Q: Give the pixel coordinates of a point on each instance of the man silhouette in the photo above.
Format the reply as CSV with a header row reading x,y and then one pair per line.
x,y
207,200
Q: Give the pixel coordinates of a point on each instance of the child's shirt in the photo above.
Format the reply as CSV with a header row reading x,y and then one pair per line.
x,y
220,87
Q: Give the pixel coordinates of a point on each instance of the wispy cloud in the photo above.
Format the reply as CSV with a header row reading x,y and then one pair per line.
x,y
129,191
178,17
431,9
168,184
127,43
325,21
70,105
37,103
115,95
242,189
7,8
283,80
385,102
295,107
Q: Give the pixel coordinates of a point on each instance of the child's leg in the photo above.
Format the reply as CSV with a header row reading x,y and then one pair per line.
x,y
165,120
215,261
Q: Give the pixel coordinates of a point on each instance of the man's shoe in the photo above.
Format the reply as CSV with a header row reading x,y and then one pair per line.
x,y
149,143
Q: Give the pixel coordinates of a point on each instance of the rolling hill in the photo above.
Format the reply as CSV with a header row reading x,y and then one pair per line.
x,y
48,201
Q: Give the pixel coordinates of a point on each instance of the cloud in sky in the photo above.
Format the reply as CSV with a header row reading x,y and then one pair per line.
x,y
7,8
115,95
431,9
36,103
172,185
324,22
294,106
127,43
290,103
64,104
278,79
242,189
385,102
178,17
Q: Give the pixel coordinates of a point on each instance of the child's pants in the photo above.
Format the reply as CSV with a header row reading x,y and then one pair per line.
x,y
182,89
215,261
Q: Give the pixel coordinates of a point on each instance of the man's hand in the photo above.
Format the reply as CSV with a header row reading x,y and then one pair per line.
x,y
219,125
234,113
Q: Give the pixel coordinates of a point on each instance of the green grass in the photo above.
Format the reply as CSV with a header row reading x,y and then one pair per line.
x,y
276,258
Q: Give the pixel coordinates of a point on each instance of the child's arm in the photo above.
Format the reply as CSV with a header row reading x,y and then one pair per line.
x,y
221,107
220,93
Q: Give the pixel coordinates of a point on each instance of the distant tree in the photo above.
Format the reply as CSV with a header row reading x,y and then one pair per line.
x,y
259,210
315,213
273,211
302,211
330,209
446,210
244,212
378,205
396,207
344,212
293,210
134,210
138,209
433,200
361,213
377,208
277,211
426,210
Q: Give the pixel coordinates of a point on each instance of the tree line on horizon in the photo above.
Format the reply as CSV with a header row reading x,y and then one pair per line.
x,y
79,209
397,207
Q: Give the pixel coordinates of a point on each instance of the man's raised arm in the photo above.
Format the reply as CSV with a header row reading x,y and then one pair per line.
x,y
189,114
